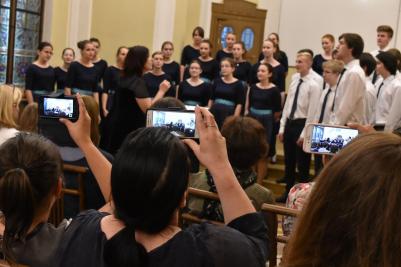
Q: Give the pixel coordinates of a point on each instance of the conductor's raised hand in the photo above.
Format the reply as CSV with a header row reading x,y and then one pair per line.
x,y
80,130
212,150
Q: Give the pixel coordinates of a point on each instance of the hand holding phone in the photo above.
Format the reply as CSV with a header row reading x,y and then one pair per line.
x,y
327,139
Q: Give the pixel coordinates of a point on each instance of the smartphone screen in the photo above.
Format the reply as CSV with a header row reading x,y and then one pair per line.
x,y
50,107
179,123
330,139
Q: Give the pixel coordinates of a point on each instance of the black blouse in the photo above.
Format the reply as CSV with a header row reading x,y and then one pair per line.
x,y
222,54
39,79
199,94
278,77
61,77
210,70
234,92
153,81
111,79
188,54
101,67
242,70
172,69
265,98
317,65
82,77
280,56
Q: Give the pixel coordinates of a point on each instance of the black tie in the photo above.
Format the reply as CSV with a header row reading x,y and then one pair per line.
x,y
378,91
295,102
324,105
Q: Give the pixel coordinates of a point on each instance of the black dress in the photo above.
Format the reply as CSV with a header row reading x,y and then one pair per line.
x,y
278,77
242,71
243,242
101,67
39,80
210,70
61,77
126,115
172,69
82,79
111,79
317,65
280,56
194,95
263,103
188,54
153,81
226,96
222,54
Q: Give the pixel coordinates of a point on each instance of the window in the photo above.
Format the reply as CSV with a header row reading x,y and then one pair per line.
x,y
247,38
226,30
18,44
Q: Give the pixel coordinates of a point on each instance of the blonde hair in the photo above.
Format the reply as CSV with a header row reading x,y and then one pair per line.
x,y
9,98
334,65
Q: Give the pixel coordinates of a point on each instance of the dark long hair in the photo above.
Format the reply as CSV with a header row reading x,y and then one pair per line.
x,y
135,61
30,166
352,218
148,179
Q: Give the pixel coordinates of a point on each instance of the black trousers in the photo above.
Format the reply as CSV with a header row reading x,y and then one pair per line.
x,y
294,156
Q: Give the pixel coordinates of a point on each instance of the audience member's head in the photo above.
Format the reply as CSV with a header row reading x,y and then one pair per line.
x,y
350,217
150,171
10,98
168,102
28,121
367,63
30,171
384,36
93,111
246,141
350,45
386,63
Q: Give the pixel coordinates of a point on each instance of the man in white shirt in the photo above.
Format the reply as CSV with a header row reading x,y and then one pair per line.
x,y
383,39
394,116
387,68
299,109
368,64
350,94
315,76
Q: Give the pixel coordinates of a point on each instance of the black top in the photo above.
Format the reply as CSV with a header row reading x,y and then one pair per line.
x,y
278,77
111,79
210,70
242,70
153,81
126,115
221,54
243,242
101,67
188,54
317,65
82,77
61,77
200,93
39,79
280,56
264,98
172,69
234,92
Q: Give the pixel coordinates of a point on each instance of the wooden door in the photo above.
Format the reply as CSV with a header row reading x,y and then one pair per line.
x,y
244,20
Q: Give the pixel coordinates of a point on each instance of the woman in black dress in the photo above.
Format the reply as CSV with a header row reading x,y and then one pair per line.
x,y
82,75
242,67
68,57
111,79
194,91
39,76
279,54
191,52
228,93
228,50
264,104
157,76
132,98
170,67
328,43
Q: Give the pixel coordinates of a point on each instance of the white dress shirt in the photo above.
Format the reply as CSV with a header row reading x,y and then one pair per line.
x,y
385,98
394,117
376,52
350,97
370,102
308,99
329,105
312,74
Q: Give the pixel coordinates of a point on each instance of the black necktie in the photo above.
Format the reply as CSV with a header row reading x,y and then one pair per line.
x,y
295,102
324,105
378,91
335,92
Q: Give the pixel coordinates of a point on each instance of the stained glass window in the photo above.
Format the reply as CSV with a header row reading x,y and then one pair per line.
x,y
226,30
247,38
26,14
